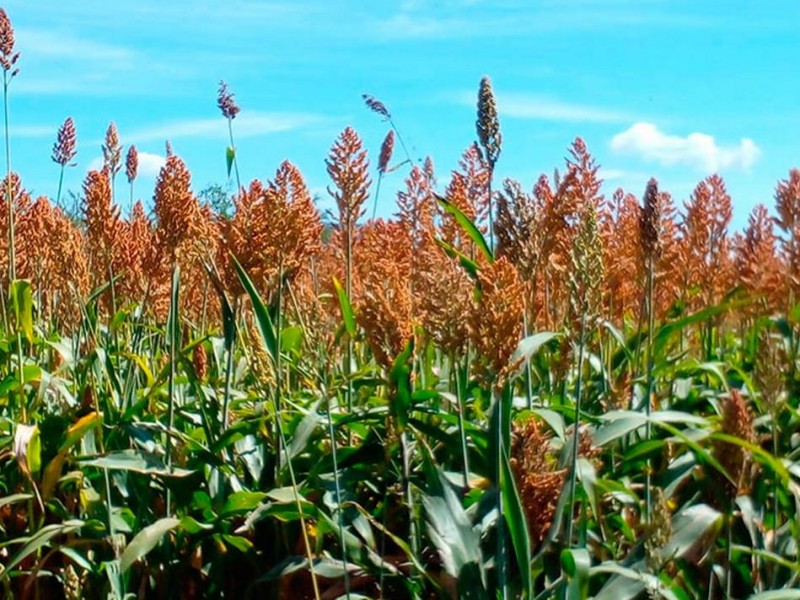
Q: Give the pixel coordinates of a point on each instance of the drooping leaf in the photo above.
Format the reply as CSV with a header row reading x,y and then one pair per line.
x,y
514,514
144,541
348,314
467,225
230,155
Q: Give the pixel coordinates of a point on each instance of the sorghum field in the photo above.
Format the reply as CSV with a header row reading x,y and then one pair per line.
x,y
567,392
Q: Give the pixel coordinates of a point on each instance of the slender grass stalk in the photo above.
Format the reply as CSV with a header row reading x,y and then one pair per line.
x,y
573,479
12,269
461,424
500,550
651,318
235,159
229,372
338,492
173,339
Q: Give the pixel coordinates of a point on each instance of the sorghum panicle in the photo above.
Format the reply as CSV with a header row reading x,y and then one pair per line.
x,y
131,164
488,125
64,149
226,102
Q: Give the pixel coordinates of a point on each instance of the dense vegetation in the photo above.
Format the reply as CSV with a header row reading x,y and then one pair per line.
x,y
495,393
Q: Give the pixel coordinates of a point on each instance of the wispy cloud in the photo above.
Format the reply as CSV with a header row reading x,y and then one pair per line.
x,y
648,142
472,18
34,131
246,125
542,108
149,164
63,46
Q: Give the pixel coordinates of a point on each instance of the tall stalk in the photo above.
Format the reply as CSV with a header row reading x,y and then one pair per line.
x,y
461,421
573,479
12,270
649,378
173,337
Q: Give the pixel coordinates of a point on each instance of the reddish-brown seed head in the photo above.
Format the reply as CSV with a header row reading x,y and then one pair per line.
x,y
64,149
376,106
7,56
226,102
131,164
386,152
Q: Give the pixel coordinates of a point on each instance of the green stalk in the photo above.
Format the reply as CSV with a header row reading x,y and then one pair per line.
x,y
500,555
235,160
12,270
229,373
461,426
173,333
60,184
338,491
651,318
576,434
377,194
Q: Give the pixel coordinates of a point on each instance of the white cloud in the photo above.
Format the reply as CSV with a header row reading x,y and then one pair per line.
x,y
245,125
149,164
549,109
60,45
542,108
34,131
695,150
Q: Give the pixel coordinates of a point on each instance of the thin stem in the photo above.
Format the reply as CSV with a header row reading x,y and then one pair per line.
x,y
461,426
172,336
338,491
500,556
12,270
60,184
235,160
576,433
229,373
649,387
377,194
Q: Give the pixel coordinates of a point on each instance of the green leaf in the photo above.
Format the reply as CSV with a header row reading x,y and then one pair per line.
x,y
144,541
467,225
517,524
291,339
576,563
400,376
40,539
28,449
230,156
239,502
265,324
777,595
529,346
137,461
469,265
14,499
21,297
456,540
348,315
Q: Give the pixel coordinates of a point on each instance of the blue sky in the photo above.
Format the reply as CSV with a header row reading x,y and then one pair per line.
x,y
667,88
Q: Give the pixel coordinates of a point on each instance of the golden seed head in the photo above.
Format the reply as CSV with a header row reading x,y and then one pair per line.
x,y
659,531
112,151
348,167
8,57
538,478
736,419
